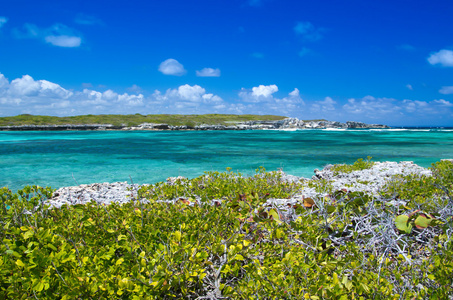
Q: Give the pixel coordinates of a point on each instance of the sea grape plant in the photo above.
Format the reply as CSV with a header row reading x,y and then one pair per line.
x,y
219,237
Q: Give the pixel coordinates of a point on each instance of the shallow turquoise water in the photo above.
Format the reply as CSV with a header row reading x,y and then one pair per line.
x,y
75,157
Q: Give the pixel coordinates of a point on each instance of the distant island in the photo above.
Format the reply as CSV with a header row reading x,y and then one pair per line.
x,y
28,122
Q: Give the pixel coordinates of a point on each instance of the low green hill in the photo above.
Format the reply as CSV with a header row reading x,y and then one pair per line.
x,y
134,120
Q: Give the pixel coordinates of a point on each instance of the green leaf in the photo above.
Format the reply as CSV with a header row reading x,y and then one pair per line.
x,y
422,221
401,223
122,237
177,235
275,215
330,208
20,263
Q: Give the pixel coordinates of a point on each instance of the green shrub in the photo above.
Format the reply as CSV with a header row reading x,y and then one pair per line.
x,y
359,165
229,245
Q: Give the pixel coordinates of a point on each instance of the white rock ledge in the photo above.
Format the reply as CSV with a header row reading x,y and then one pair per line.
x,y
370,181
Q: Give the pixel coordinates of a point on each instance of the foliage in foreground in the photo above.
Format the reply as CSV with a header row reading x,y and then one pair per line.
x,y
218,239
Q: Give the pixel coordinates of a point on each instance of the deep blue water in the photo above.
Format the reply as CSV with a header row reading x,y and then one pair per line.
x,y
75,157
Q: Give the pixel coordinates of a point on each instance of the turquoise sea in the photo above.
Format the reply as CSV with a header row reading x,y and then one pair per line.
x,y
68,158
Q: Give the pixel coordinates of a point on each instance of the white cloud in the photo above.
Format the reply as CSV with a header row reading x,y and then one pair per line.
x,y
190,93
264,90
412,106
25,86
308,31
26,95
57,35
328,104
443,57
135,89
443,102
446,90
4,83
64,41
371,107
172,67
208,72
53,90
261,100
186,99
393,111
409,87
3,21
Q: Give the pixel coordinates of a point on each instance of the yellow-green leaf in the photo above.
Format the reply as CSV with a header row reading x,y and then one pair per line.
x,y
275,215
20,263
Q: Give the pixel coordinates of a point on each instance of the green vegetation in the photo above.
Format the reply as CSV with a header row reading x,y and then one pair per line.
x,y
134,120
359,165
219,239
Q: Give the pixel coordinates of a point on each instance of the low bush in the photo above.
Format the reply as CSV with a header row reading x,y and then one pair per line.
x,y
359,165
218,237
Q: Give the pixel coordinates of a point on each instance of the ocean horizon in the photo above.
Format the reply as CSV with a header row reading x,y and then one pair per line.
x,y
68,158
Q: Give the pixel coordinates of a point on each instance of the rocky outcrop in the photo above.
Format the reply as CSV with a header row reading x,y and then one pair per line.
x,y
354,125
294,123
370,181
285,124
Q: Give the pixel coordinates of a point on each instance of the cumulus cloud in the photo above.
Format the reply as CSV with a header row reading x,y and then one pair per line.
x,y
57,35
64,40
371,107
409,87
27,87
390,110
264,90
259,93
443,57
446,90
261,100
443,102
3,21
187,93
187,99
172,67
208,72
308,31
326,105
4,83
27,95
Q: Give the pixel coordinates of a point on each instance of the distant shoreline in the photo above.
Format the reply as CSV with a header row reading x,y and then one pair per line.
x,y
172,122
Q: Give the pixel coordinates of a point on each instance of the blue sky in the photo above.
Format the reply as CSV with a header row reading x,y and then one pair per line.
x,y
372,61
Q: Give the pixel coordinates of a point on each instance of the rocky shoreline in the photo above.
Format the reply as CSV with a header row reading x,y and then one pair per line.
x,y
368,180
285,124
